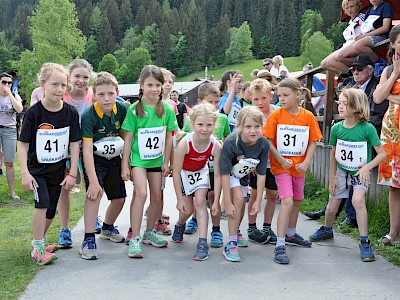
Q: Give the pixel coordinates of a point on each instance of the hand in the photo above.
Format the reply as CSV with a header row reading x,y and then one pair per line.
x,y
125,173
361,36
240,157
165,170
215,209
233,82
255,209
333,185
181,207
28,181
68,183
94,191
179,134
396,63
230,210
363,173
286,163
302,167
6,88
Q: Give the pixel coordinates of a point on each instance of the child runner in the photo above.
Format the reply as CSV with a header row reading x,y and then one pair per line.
x,y
243,150
49,128
149,123
246,97
261,95
80,96
292,132
102,146
231,83
350,160
209,93
191,175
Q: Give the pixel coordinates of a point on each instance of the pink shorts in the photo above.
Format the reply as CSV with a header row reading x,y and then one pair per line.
x,y
289,186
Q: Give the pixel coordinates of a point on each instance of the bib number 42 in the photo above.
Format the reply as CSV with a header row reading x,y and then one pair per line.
x,y
152,143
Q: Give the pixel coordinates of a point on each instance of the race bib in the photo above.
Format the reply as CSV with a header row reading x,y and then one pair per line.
x,y
151,142
210,163
368,24
351,156
232,116
244,167
292,140
193,181
349,33
108,147
52,145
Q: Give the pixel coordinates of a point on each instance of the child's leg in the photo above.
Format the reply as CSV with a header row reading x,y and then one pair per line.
x,y
361,211
155,198
394,210
294,214
139,176
184,216
199,202
64,204
238,202
113,210
253,195
91,211
215,220
364,46
269,208
331,210
284,215
38,223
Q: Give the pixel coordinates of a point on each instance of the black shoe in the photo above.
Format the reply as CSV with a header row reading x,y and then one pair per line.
x,y
314,215
350,222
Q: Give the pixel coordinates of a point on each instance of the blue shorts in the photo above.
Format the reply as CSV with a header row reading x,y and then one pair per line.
x,y
375,39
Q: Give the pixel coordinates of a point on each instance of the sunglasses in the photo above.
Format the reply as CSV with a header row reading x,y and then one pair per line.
x,y
359,69
267,64
4,82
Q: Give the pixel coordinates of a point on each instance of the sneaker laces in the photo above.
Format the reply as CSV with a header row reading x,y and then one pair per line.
x,y
201,248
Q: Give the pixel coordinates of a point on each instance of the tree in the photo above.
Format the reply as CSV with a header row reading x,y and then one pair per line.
x,y
105,39
335,34
92,54
316,49
9,52
132,39
95,21
61,44
20,28
136,60
178,54
108,63
240,46
150,36
127,15
310,22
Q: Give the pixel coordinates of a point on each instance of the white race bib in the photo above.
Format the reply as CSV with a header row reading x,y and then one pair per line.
x,y
244,167
193,181
108,147
151,142
52,145
292,140
232,116
351,156
368,24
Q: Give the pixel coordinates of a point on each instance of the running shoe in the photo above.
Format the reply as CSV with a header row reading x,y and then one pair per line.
x,y
241,242
162,228
272,236
321,234
366,252
112,234
257,236
65,240
280,255
89,249
217,239
128,237
231,252
177,237
135,247
99,224
201,251
150,238
41,257
297,240
191,226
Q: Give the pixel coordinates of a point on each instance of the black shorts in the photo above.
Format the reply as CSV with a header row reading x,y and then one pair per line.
x,y
109,175
269,181
151,170
49,190
211,177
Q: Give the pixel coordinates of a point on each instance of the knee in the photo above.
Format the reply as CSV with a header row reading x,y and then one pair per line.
x,y
140,195
330,210
287,203
358,202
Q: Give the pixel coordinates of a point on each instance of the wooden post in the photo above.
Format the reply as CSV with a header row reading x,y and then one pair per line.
x,y
328,111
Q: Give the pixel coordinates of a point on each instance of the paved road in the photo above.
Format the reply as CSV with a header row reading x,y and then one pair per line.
x,y
329,271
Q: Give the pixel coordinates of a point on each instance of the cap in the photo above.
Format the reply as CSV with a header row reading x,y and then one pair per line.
x,y
264,74
362,61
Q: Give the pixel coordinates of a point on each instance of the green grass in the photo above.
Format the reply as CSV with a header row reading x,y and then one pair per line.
x,y
316,197
292,63
17,268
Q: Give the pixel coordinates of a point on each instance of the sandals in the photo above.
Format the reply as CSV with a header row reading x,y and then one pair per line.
x,y
387,240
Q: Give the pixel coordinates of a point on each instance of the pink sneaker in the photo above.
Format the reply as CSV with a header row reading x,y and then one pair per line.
x,y
42,257
165,219
50,248
162,228
128,237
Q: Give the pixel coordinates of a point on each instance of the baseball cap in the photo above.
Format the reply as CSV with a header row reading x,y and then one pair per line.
x,y
362,61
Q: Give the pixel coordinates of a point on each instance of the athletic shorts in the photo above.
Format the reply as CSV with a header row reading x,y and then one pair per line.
x,y
8,143
269,181
345,180
211,177
48,191
234,182
290,186
109,175
375,39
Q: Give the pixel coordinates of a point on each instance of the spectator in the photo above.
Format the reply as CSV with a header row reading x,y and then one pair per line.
x,y
278,69
10,105
267,64
182,110
254,73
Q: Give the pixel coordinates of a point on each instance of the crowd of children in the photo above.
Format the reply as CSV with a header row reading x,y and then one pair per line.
x,y
225,146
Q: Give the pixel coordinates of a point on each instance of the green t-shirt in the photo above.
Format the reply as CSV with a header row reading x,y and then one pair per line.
x,y
221,129
365,132
152,131
96,125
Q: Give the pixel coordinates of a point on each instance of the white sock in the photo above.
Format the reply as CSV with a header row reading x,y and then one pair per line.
x,y
291,232
37,244
280,241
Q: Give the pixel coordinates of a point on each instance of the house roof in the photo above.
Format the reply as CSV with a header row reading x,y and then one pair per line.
x,y
132,90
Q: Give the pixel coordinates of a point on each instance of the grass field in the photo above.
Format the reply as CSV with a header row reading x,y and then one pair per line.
x,y
292,63
17,268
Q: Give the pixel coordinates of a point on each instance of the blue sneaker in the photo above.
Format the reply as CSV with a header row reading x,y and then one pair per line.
x,y
65,240
297,240
177,237
201,251
241,241
231,252
89,249
191,226
281,256
367,254
217,239
272,236
321,234
99,224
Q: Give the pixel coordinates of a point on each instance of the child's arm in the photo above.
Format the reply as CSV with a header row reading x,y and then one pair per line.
x,y
27,178
333,183
303,166
176,174
260,190
216,207
385,28
167,155
364,171
126,153
384,88
226,194
94,190
285,163
70,180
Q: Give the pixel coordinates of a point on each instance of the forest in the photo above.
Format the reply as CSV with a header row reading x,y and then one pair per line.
x,y
181,35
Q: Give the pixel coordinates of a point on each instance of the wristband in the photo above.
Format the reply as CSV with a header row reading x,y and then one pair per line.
x,y
71,175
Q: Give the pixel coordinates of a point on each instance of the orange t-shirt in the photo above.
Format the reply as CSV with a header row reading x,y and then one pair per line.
x,y
282,117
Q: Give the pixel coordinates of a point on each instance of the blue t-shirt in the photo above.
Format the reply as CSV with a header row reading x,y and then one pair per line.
x,y
384,10
232,115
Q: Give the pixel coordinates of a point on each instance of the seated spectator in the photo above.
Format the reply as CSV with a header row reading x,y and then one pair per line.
x,y
317,85
278,69
267,64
